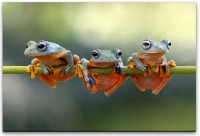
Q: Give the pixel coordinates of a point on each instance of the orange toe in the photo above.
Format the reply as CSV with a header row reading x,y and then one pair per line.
x,y
78,70
32,69
131,65
171,63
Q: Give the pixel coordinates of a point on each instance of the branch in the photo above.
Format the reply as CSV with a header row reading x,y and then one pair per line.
x,y
173,70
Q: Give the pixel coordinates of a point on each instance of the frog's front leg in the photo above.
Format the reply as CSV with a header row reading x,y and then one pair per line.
x,y
85,71
164,68
45,69
90,81
70,61
138,64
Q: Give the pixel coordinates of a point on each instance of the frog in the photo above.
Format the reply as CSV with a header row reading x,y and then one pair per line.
x,y
106,83
152,54
54,60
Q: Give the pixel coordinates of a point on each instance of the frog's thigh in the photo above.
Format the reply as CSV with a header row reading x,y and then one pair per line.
x,y
158,88
47,80
138,81
121,80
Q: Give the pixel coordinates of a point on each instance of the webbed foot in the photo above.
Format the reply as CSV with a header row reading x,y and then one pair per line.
x,y
148,71
78,70
91,81
32,67
164,70
171,63
118,69
91,85
131,63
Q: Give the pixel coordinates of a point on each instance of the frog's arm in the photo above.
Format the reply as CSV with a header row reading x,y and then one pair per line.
x,y
45,69
164,70
165,65
70,61
138,63
85,71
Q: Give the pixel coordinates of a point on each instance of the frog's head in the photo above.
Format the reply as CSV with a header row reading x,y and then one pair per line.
x,y
41,48
106,55
155,47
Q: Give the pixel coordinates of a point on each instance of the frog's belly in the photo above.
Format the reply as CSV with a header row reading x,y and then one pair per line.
x,y
155,82
62,77
109,82
58,75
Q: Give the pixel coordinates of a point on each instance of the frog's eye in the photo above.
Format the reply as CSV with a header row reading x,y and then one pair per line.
x,y
41,46
146,44
95,54
168,44
119,53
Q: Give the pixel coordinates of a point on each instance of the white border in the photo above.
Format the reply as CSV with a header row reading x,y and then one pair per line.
x,y
197,133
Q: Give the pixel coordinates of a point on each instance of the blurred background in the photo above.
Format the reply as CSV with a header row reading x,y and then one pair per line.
x,y
30,105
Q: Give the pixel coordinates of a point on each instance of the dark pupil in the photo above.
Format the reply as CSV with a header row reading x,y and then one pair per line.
x,y
146,43
94,54
169,43
41,46
119,53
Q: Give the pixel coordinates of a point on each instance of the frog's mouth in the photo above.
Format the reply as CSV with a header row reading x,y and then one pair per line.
x,y
103,64
154,54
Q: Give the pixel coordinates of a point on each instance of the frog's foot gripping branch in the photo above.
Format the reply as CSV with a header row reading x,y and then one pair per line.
x,y
131,63
171,63
149,68
32,67
78,70
145,68
119,69
164,68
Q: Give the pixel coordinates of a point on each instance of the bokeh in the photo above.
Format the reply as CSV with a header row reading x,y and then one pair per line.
x,y
30,105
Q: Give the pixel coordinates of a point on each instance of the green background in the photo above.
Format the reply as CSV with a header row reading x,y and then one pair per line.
x,y
30,105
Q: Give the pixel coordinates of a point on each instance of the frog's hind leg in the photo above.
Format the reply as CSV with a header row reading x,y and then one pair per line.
x,y
118,83
163,81
138,80
47,80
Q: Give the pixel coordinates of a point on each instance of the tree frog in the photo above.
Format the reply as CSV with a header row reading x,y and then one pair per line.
x,y
54,60
106,83
151,54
